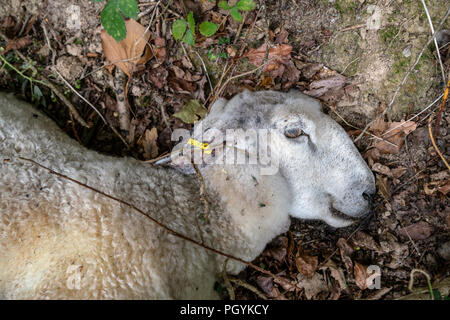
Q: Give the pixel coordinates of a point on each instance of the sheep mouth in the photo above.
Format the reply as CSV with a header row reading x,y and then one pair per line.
x,y
341,215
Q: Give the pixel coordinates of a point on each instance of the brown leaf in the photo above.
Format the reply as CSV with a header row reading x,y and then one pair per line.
x,y
266,285
346,251
378,167
398,172
394,132
129,52
360,274
276,56
17,44
336,273
306,264
312,286
383,187
431,187
150,143
363,240
417,231
277,249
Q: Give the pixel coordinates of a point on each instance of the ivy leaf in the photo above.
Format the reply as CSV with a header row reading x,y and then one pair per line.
x,y
208,28
178,28
246,5
236,14
191,21
191,112
112,21
129,8
224,5
189,38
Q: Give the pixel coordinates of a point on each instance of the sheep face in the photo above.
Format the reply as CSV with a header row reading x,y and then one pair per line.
x,y
327,177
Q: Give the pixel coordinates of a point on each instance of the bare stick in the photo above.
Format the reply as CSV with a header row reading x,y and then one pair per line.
x,y
92,106
434,144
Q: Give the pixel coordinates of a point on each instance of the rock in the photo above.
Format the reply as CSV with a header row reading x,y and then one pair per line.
x,y
74,50
69,67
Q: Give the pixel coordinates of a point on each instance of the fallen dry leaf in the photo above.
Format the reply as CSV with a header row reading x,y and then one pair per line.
x,y
417,231
130,52
336,273
346,251
392,133
360,274
312,286
363,240
17,44
306,264
277,55
378,167
433,186
266,285
150,144
277,249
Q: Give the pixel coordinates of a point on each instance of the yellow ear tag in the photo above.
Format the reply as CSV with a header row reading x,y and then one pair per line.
x,y
198,144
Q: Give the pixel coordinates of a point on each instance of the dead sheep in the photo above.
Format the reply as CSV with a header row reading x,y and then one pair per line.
x,y
60,240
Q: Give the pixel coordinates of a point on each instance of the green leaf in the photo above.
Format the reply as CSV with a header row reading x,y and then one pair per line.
x,y
224,40
189,38
191,21
129,8
191,112
224,5
246,5
236,14
112,21
178,28
208,28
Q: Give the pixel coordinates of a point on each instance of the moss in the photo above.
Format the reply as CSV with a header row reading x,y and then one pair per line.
x,y
345,6
387,34
401,65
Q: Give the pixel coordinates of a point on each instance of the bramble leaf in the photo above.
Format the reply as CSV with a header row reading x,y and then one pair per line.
x,y
112,21
236,14
246,5
178,28
224,5
191,21
189,38
208,28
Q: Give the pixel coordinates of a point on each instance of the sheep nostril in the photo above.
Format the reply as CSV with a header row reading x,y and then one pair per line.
x,y
369,197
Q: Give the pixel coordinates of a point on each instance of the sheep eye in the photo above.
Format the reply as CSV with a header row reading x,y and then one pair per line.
x,y
293,132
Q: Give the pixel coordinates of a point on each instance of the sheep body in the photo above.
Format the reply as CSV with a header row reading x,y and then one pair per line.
x,y
59,240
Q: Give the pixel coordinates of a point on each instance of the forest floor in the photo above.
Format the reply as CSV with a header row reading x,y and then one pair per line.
x,y
358,57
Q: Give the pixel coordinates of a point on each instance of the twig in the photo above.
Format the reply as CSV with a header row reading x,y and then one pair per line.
x,y
413,117
405,77
441,109
411,281
92,106
202,190
434,143
249,287
160,224
204,68
227,281
435,41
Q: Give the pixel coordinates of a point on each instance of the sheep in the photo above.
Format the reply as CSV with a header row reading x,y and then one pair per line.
x,y
61,240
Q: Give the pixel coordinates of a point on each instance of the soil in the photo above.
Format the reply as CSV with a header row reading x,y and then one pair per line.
x,y
362,48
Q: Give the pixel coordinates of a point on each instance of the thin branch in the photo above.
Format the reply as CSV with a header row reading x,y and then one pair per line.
x,y
92,106
435,41
434,144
